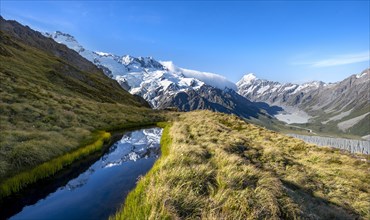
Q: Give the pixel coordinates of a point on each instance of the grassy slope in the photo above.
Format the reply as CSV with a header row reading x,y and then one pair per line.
x,y
220,167
49,107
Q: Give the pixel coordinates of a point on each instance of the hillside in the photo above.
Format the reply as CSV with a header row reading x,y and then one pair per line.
x,y
53,101
216,166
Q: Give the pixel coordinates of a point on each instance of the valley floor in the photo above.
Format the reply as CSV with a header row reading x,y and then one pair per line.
x,y
293,116
216,166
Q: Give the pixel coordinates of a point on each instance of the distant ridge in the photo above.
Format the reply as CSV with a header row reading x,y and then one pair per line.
x,y
335,107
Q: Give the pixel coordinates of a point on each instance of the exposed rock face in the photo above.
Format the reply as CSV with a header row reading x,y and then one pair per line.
x,y
329,105
207,97
351,145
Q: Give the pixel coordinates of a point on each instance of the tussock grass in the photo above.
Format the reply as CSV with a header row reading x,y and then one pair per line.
x,y
220,167
17,182
134,198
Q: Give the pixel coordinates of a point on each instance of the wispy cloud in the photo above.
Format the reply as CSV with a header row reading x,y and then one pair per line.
x,y
342,60
339,60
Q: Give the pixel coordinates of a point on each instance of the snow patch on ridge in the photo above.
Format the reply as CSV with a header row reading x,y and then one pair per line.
x,y
263,89
290,87
103,54
361,75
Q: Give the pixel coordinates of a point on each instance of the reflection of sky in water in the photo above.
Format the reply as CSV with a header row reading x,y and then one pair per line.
x,y
100,190
132,146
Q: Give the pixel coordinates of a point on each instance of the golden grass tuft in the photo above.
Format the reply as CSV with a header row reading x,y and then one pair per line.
x,y
217,166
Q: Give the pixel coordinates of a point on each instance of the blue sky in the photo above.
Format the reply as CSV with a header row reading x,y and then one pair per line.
x,y
282,41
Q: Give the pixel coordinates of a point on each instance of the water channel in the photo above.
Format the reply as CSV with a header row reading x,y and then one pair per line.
x,y
98,191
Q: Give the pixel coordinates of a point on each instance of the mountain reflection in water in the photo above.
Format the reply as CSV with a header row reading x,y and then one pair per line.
x,y
100,190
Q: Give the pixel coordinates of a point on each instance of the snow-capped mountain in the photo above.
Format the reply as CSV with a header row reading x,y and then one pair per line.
x,y
343,105
309,96
275,93
144,76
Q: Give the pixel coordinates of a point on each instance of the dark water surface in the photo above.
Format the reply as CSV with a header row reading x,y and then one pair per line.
x,y
101,189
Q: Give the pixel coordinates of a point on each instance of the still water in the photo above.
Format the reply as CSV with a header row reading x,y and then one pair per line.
x,y
101,189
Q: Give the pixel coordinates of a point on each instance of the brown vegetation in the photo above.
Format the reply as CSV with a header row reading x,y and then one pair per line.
x,y
220,167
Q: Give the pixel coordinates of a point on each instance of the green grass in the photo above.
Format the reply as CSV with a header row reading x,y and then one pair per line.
x,y
217,166
134,208
50,108
19,181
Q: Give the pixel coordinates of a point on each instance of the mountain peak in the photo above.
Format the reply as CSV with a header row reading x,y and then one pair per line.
x,y
59,34
63,34
249,77
127,59
141,62
67,39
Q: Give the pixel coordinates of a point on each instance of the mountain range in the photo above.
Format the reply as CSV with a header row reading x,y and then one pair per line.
x,y
338,107
164,85
333,108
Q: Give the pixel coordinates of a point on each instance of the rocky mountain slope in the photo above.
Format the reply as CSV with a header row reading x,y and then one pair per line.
x,y
165,85
208,97
287,94
339,107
